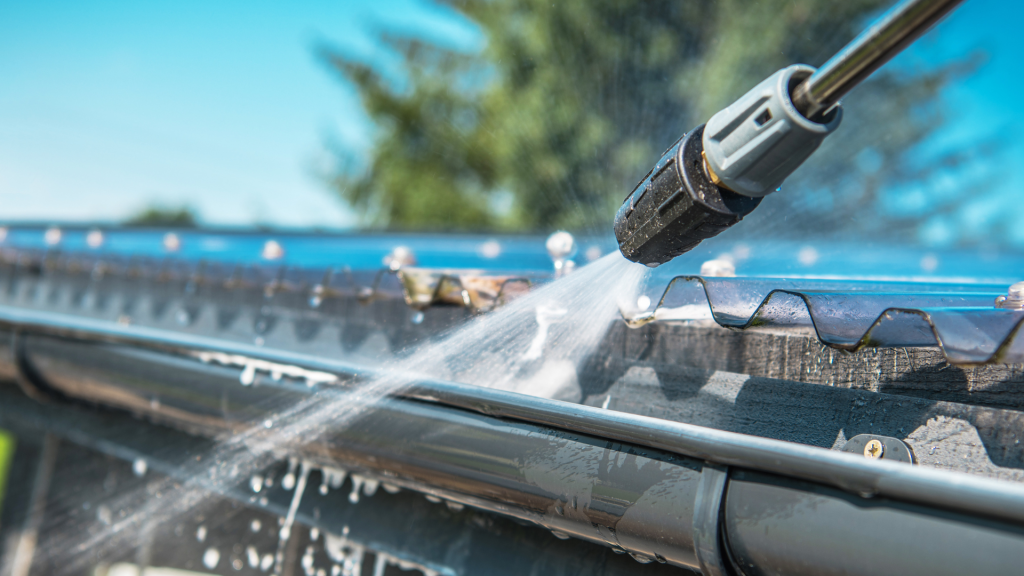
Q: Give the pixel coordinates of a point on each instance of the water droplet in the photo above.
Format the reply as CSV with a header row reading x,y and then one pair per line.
x,y
417,317
255,525
560,535
559,510
390,488
357,483
237,564
643,303
256,483
183,317
333,477
454,506
139,467
314,534
307,560
253,556
432,498
370,486
211,558
201,533
268,424
104,515
641,558
266,562
288,482
248,375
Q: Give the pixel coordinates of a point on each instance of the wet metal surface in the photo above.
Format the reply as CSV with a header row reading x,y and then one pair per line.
x,y
104,347
630,483
97,451
776,528
958,315
960,318
848,314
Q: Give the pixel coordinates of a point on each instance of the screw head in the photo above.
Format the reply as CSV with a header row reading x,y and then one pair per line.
x,y
718,267
1014,298
874,450
272,250
561,245
399,257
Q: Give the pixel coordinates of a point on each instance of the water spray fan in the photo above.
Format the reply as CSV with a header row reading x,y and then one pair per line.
x,y
720,171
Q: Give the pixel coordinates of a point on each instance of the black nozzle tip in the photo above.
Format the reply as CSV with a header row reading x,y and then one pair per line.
x,y
676,206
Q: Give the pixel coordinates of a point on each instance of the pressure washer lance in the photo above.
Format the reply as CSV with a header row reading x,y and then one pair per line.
x,y
718,173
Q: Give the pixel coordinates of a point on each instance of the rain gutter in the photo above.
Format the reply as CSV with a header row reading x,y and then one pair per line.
x,y
695,497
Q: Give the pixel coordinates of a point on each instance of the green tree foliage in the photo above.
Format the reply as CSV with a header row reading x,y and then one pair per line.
x,y
570,102
162,216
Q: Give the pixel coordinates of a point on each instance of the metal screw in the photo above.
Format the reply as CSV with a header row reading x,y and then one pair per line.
x,y
561,247
272,250
399,257
874,449
1014,299
718,267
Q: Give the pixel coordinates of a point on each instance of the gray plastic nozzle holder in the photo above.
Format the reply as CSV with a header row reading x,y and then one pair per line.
x,y
758,141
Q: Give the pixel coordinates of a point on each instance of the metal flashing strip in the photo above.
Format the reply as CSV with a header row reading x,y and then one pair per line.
x,y
850,314
958,317
420,287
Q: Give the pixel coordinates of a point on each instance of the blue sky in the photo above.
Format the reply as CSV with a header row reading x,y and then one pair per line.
x,y
110,106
